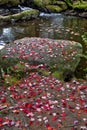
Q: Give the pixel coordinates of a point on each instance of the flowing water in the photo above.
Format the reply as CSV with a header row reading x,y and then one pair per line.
x,y
55,26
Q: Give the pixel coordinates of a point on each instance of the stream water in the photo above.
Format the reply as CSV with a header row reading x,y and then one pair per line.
x,y
55,26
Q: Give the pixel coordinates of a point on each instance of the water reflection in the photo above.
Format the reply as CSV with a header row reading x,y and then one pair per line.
x,y
55,26
6,35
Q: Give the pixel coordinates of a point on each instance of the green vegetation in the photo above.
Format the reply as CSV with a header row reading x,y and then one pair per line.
x,y
12,70
41,3
68,3
52,5
61,4
58,6
82,68
84,37
27,14
10,2
80,5
54,8
57,74
7,62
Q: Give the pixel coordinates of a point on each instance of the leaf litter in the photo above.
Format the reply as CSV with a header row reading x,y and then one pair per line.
x,y
41,102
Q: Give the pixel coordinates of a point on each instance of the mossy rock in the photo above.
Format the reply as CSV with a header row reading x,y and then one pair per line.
x,y
54,8
63,53
13,70
25,15
80,5
84,38
42,3
61,4
51,5
7,62
10,2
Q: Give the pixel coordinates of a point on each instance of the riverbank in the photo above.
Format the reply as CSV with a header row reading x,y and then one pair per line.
x,y
24,11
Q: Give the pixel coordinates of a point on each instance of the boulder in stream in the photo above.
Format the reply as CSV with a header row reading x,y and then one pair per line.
x,y
58,55
50,5
23,15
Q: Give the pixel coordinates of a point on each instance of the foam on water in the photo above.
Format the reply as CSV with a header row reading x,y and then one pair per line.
x,y
42,14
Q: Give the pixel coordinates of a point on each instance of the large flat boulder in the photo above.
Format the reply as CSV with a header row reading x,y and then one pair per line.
x,y
57,54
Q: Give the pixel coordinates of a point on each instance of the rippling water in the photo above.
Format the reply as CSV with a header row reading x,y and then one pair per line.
x,y
55,26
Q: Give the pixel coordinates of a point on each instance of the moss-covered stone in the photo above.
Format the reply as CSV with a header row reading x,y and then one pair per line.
x,y
52,5
62,4
80,5
69,3
54,8
58,55
42,3
10,2
25,15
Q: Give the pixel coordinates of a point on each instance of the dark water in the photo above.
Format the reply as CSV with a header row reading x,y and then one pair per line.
x,y
55,26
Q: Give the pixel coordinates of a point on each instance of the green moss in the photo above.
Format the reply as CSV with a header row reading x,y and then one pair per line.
x,y
53,1
54,8
7,62
39,3
25,15
81,71
5,65
43,72
10,2
10,80
80,5
57,75
61,4
84,38
69,3
13,69
42,3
